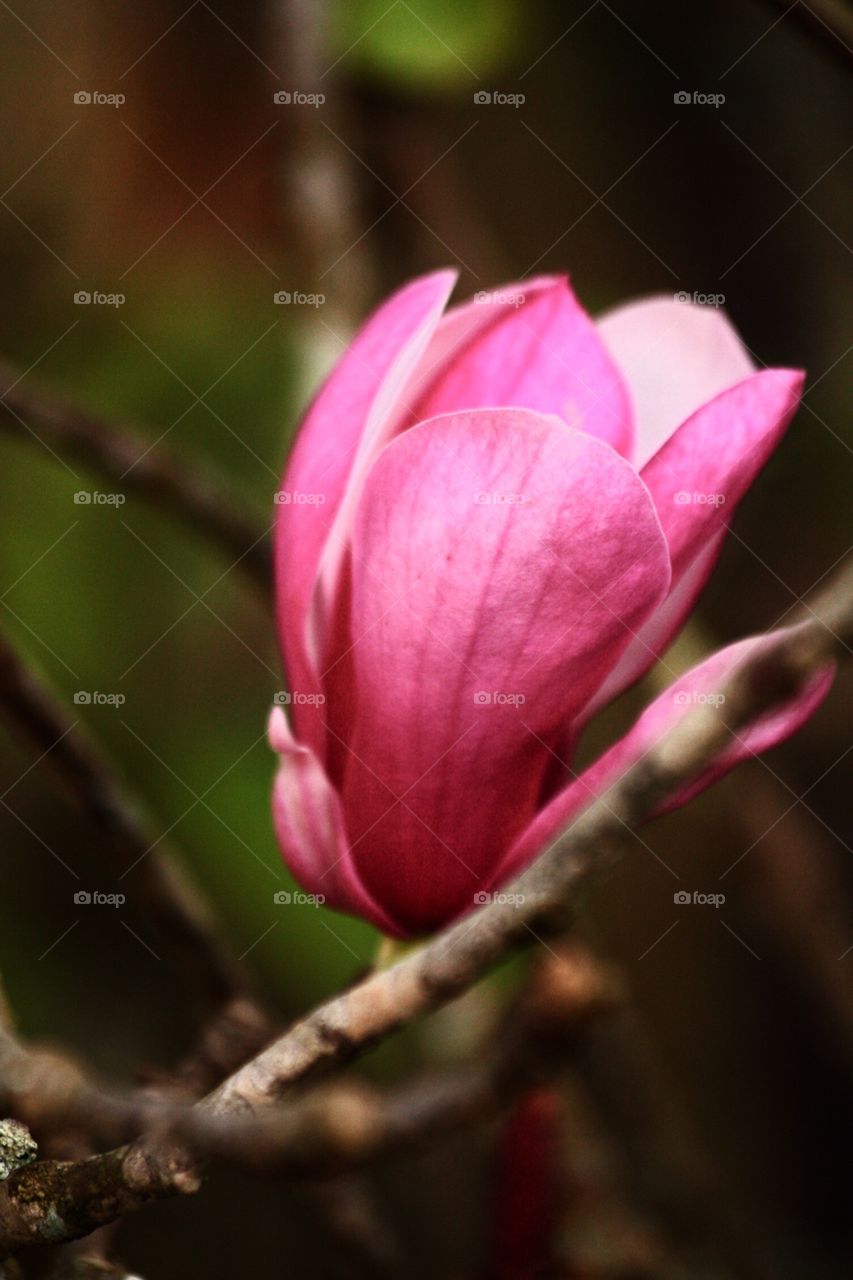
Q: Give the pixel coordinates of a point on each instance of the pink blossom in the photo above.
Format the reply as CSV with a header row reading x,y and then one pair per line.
x,y
494,520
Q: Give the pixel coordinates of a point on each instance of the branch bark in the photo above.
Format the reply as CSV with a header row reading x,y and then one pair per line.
x,y
456,958
338,1127
346,1125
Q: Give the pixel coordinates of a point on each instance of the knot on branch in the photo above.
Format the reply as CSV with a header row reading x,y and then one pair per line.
x,y
17,1147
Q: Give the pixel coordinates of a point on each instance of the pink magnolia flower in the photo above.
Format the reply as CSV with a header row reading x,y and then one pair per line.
x,y
494,520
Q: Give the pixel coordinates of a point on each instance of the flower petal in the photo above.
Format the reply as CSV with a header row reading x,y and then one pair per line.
x,y
541,351
697,479
700,684
674,356
655,636
355,404
310,828
700,475
462,324
479,626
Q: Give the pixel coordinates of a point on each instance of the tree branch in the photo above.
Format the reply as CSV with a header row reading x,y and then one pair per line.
x,y
132,463
335,1128
455,959
345,1124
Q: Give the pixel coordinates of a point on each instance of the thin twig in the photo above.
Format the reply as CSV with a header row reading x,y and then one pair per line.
x,y
456,958
346,1125
130,462
338,1127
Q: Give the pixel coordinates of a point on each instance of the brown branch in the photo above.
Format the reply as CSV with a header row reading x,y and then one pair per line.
x,y
54,1200
456,958
335,1128
134,465
347,1125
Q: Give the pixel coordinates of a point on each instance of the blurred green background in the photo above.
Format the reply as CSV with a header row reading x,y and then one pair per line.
x,y
197,199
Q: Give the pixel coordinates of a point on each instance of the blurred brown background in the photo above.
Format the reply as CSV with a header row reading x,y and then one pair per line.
x,y
198,198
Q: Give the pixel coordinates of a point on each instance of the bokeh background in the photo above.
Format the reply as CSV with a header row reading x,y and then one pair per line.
x,y
197,199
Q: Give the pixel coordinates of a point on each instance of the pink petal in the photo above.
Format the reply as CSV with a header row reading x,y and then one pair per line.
x,y
697,479
541,352
462,324
674,356
534,599
704,429
701,684
310,828
700,475
655,636
357,401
